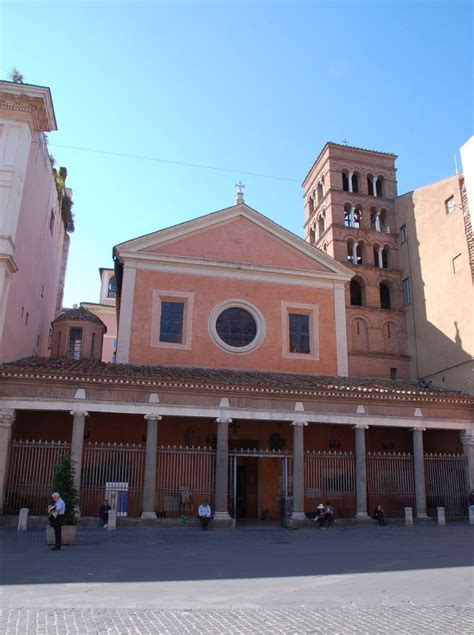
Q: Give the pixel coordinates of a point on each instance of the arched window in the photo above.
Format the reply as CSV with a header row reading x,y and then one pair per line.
x,y
385,302
383,220
376,254
325,246
322,223
350,250
321,190
385,252
360,253
347,215
311,205
357,217
379,186
345,182
356,293
112,288
373,219
355,182
312,236
370,185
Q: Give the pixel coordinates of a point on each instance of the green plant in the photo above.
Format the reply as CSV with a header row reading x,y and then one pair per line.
x,y
63,483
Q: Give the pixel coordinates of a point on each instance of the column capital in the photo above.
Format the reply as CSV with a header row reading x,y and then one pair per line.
x,y
418,428
299,423
224,420
360,426
7,417
153,417
466,437
84,413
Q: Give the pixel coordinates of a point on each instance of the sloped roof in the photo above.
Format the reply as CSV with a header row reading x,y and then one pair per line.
x,y
79,314
226,380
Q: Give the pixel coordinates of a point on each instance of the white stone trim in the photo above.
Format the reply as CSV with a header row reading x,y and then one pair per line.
x,y
312,310
183,410
130,248
188,300
238,271
124,333
241,304
341,330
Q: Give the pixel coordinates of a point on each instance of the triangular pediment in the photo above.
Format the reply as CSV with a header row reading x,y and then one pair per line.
x,y
238,234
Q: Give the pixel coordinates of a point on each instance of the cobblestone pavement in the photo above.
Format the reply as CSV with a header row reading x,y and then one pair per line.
x,y
261,580
401,620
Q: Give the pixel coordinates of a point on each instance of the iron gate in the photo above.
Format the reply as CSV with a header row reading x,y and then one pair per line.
x,y
390,482
446,484
330,476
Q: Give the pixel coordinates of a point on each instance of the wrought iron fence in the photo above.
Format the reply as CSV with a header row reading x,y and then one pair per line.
x,y
447,484
30,474
114,471
185,476
330,476
390,482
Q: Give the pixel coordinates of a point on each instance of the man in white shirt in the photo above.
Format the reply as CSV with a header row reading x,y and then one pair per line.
x,y
204,514
56,518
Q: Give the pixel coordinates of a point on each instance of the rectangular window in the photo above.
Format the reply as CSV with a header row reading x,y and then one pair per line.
x,y
403,233
299,333
92,345
171,322
74,343
407,291
393,373
450,204
51,222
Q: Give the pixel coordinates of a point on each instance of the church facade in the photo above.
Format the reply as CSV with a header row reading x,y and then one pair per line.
x,y
233,382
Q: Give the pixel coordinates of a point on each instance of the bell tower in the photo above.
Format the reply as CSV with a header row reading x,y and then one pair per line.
x,y
349,203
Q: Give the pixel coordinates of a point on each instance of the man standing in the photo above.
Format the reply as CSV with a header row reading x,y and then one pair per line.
x,y
205,514
56,518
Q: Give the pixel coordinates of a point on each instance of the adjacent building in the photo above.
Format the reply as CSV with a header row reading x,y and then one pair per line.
x,y
35,221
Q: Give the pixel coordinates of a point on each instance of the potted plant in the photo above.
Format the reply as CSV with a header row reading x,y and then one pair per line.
x,y
63,483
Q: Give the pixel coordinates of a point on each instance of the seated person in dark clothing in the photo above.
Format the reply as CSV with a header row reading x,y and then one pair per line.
x,y
378,515
104,512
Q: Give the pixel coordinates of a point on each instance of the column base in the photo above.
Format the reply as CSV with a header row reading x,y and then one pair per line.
x,y
422,516
362,516
149,516
221,519
298,519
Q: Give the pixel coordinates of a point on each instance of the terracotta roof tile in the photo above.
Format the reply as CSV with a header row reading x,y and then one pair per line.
x,y
238,380
78,314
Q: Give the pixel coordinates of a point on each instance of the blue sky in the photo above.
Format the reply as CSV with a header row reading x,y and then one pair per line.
x,y
250,86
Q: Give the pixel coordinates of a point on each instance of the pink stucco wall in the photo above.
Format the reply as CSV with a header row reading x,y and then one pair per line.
x,y
38,255
208,292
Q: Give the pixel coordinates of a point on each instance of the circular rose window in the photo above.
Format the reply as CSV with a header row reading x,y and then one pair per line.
x,y
236,326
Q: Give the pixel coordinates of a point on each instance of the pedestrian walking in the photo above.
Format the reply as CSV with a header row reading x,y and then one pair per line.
x,y
104,512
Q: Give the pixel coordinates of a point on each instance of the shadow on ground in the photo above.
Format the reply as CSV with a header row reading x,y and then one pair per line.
x,y
187,553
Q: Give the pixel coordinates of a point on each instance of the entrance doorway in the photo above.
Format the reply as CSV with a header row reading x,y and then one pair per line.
x,y
260,485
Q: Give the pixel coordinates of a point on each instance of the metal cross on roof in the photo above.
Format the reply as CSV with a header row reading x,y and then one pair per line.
x,y
240,186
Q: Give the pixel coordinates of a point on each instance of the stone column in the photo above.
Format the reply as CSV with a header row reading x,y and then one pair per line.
x,y
354,253
419,471
221,512
379,258
298,515
349,178
377,222
77,444
374,185
149,485
7,417
352,218
361,479
467,440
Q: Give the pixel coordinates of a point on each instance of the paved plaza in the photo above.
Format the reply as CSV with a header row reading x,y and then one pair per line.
x,y
256,579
